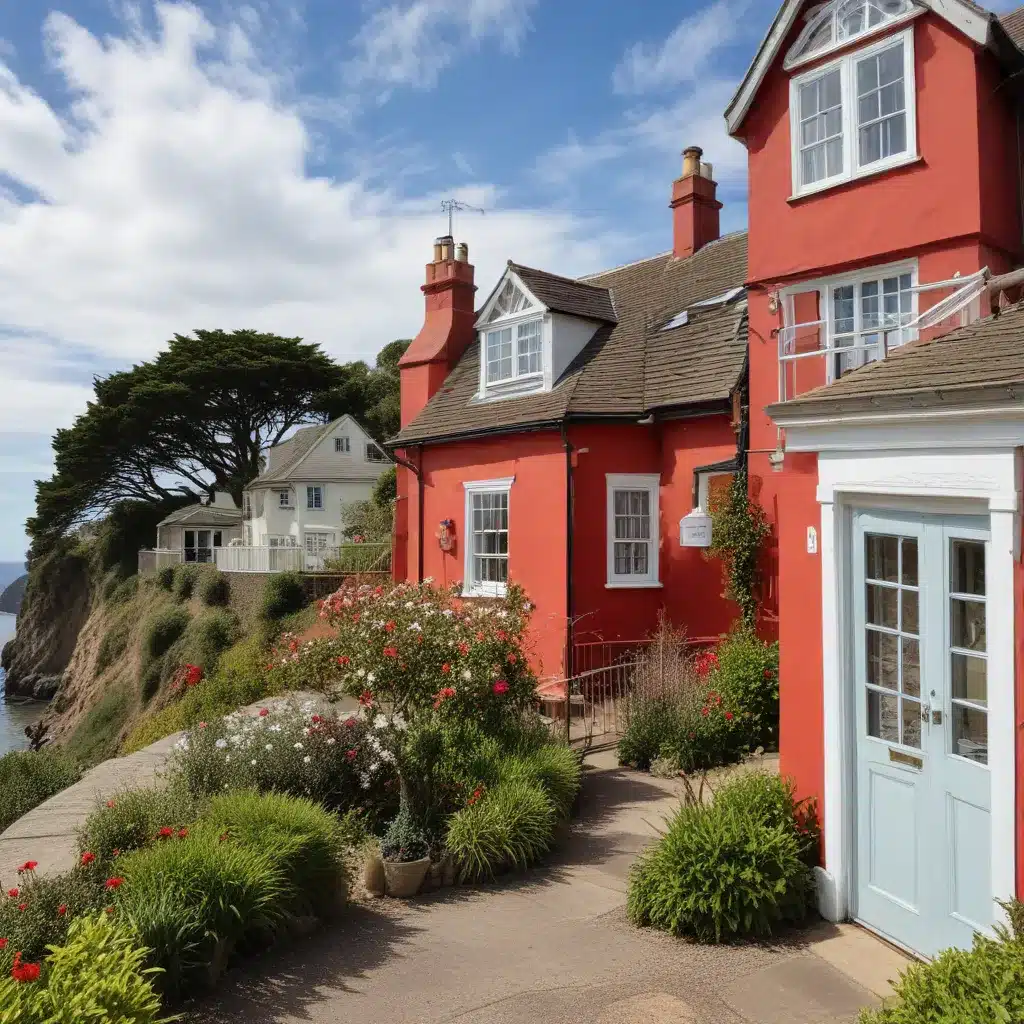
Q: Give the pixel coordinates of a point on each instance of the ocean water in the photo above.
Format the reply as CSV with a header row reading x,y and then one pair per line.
x,y
13,717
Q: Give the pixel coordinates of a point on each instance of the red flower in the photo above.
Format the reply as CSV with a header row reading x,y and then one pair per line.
x,y
193,675
463,648
446,668
316,720
182,833
366,699
705,662
13,893
111,804
23,907
3,944
350,723
500,687
445,693
165,833
501,635
264,712
88,858
116,853
768,673
390,626
293,646
355,617
390,652
202,725
693,735
114,883
728,716
344,660
109,910
24,972
351,754
223,837
61,910
29,865
512,659
704,712
479,637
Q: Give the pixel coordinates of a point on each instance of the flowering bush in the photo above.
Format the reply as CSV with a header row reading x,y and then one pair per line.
x,y
747,672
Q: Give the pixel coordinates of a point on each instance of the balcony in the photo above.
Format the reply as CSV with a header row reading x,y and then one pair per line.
x,y
346,559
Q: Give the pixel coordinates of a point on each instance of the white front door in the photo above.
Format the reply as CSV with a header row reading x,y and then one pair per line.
x,y
923,864
316,548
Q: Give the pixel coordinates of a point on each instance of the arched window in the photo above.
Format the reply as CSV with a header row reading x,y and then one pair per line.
x,y
835,23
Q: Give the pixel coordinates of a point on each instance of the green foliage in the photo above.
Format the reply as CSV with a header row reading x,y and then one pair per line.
x,y
127,527
370,521
404,839
739,528
114,643
41,922
385,490
737,868
118,591
978,986
303,838
283,594
96,736
186,575
208,636
556,768
96,976
131,819
509,826
161,632
28,778
214,589
165,578
747,675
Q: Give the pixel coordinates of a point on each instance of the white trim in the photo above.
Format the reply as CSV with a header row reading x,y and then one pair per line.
x,y
846,66
471,487
846,480
650,482
973,23
536,306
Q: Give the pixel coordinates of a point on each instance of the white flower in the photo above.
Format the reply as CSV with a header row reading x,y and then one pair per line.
x,y
364,780
330,741
398,721
448,612
360,672
296,746
380,722
269,746
305,732
386,755
466,674
374,765
253,762
276,727
415,627
370,677
307,759
221,744
228,758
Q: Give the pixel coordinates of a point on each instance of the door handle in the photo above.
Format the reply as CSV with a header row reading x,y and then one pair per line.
x,y
936,718
927,714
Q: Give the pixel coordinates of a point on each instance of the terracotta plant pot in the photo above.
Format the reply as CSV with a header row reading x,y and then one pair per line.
x,y
404,878
373,874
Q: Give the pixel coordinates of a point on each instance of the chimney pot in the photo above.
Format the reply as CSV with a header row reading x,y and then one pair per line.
x,y
437,251
691,160
706,171
694,205
447,247
462,253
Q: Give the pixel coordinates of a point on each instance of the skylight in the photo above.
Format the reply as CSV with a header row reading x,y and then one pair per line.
x,y
680,320
720,300
835,23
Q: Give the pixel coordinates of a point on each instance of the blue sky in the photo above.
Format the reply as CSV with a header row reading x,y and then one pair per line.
x,y
280,165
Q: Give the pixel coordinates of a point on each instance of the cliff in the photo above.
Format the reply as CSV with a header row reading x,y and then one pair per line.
x,y
56,604
11,598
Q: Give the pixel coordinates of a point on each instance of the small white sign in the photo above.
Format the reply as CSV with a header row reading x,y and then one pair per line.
x,y
695,529
812,540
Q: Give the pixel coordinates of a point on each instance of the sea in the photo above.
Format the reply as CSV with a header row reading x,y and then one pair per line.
x,y
14,716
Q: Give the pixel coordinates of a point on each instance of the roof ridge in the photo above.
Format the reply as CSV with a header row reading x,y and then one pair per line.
x,y
557,277
623,266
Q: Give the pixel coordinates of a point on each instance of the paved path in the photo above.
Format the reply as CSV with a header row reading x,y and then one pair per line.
x,y
554,946
47,833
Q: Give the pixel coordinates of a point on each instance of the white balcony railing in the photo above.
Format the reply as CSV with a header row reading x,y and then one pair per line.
x,y
153,559
260,559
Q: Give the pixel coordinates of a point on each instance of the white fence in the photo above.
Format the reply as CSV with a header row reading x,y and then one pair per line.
x,y
261,559
157,558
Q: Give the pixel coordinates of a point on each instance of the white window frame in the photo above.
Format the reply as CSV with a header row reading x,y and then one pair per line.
x,y
847,65
517,379
650,482
312,492
284,499
342,445
470,588
375,454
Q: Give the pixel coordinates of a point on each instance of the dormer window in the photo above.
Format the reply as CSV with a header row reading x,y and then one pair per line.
x,y
509,359
510,301
834,24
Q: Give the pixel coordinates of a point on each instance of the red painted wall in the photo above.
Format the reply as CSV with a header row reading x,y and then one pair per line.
x,y
1018,633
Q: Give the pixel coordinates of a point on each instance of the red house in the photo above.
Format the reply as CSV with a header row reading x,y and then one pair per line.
x,y
885,201
556,434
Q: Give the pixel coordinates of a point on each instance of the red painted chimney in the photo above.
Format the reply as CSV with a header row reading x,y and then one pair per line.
x,y
694,206
447,328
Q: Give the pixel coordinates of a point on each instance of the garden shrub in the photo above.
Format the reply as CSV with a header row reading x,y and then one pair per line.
x,y
114,643
96,736
214,589
737,868
150,679
976,986
132,818
509,826
208,636
556,768
283,595
165,577
97,975
162,630
747,674
118,589
32,919
404,839
185,577
28,778
301,836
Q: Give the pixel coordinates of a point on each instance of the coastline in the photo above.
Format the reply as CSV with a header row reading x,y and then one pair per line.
x,y
14,717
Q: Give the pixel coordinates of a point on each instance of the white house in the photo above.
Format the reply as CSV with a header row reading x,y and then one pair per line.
x,y
296,501
196,531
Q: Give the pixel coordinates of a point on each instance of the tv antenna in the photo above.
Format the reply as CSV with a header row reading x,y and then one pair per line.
x,y
449,206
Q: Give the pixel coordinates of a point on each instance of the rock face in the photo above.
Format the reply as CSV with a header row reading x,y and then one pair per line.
x,y
11,598
56,605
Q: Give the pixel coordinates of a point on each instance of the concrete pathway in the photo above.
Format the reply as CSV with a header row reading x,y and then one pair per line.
x,y
554,946
47,833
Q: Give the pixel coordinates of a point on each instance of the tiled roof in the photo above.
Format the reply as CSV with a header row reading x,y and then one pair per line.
x,y
980,362
1013,23
203,515
286,454
565,295
699,363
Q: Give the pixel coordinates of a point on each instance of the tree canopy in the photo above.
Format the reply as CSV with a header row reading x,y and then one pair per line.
x,y
198,418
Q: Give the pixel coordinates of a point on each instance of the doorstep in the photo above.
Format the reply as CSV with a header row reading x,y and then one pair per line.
x,y
861,955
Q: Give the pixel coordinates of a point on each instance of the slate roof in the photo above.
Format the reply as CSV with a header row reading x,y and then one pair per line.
x,y
566,295
1013,24
982,362
288,453
203,515
630,367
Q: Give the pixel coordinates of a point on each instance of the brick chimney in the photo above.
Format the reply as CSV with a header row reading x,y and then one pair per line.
x,y
694,206
447,327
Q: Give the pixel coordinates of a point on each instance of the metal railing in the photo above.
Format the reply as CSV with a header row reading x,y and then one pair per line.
x,y
153,559
260,559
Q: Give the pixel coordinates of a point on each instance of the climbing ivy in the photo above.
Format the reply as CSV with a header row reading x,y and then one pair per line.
x,y
739,528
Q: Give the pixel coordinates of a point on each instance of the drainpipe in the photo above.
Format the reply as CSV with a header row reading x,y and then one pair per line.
x,y
569,518
416,471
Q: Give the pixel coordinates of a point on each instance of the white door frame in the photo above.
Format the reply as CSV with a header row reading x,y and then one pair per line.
x,y
939,467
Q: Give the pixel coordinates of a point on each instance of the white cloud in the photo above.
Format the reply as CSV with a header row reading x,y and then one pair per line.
x,y
410,44
684,54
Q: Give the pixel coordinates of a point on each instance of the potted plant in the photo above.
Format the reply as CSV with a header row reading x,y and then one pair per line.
x,y
405,852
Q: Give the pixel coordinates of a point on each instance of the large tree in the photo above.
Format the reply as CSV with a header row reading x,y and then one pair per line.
x,y
198,418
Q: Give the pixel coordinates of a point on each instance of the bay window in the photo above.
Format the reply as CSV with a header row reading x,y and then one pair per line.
x,y
486,538
854,116
632,529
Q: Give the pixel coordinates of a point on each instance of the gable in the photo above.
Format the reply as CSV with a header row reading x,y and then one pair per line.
x,y
971,20
510,298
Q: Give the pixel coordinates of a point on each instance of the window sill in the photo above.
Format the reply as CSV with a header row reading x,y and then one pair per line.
x,y
638,585
490,595
871,172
